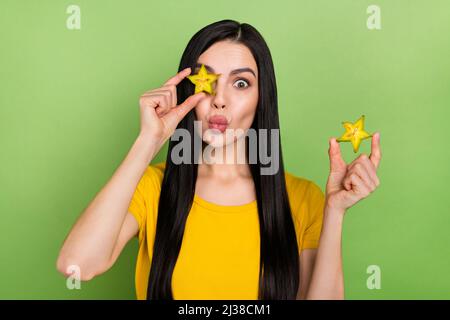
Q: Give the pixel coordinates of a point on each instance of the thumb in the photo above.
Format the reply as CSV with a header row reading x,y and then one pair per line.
x,y
334,152
187,105
179,112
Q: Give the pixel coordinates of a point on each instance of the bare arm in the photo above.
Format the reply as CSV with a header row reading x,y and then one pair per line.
x,y
91,242
307,261
327,280
103,229
346,185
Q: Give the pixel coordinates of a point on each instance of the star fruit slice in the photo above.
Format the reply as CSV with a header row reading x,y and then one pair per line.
x,y
203,80
354,133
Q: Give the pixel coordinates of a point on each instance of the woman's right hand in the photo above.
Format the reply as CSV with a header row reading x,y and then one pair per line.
x,y
160,113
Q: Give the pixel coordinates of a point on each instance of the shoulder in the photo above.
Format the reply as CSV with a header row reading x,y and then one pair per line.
x,y
300,188
305,195
296,184
157,169
153,175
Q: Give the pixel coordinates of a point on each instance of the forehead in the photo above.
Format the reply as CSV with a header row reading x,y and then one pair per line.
x,y
224,56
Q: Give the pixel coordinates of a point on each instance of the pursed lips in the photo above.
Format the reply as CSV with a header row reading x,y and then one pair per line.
x,y
218,122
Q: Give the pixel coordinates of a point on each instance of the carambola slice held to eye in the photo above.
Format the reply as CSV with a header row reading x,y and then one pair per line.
x,y
204,81
354,133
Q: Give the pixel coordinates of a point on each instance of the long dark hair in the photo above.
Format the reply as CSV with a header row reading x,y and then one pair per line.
x,y
279,263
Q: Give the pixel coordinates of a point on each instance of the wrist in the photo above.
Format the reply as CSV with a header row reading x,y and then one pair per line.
x,y
332,202
146,146
332,208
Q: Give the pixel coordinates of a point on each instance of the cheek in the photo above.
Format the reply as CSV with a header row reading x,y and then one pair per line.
x,y
244,110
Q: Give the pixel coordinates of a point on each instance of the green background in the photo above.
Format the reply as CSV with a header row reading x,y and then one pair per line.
x,y
69,114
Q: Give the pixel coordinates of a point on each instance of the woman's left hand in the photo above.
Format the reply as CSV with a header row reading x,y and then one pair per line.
x,y
348,184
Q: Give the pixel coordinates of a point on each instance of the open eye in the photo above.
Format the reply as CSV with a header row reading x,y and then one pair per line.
x,y
242,84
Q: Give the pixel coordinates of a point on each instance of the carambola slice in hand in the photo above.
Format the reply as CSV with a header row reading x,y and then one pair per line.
x,y
354,133
203,80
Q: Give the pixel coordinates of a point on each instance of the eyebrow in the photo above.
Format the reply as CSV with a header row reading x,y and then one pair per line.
x,y
235,71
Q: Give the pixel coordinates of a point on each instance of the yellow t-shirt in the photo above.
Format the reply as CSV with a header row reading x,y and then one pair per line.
x,y
219,255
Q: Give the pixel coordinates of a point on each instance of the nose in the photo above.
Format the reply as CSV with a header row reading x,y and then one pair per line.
x,y
218,105
218,100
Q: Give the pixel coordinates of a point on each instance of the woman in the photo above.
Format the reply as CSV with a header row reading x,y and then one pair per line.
x,y
211,230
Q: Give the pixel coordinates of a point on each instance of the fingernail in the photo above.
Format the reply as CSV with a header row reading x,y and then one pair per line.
x,y
332,141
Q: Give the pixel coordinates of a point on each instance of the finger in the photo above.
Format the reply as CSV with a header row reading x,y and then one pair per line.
x,y
361,170
160,102
158,90
188,104
369,166
163,88
165,92
371,169
151,100
334,152
176,79
173,93
375,155
180,111
163,105
356,184
169,99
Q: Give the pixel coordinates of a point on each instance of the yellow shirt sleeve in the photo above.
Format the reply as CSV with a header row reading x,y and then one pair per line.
x,y
307,203
138,204
144,203
315,204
